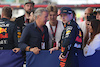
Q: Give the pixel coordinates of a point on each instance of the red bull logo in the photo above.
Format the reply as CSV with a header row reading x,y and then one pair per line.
x,y
3,33
78,39
4,36
3,30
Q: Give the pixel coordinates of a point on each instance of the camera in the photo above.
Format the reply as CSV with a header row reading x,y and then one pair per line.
x,y
92,16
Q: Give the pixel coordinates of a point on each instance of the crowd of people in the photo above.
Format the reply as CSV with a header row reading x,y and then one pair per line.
x,y
40,29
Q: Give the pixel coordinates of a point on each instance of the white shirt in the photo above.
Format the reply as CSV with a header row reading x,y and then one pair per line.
x,y
59,30
93,46
82,25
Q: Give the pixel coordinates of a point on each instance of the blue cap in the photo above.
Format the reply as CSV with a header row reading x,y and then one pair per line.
x,y
66,10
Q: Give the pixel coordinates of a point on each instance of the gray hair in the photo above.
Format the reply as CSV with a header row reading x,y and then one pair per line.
x,y
39,11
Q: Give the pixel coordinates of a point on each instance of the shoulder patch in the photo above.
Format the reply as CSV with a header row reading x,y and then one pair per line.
x,y
68,31
69,28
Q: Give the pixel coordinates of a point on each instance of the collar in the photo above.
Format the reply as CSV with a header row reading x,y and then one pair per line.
x,y
4,19
69,22
35,25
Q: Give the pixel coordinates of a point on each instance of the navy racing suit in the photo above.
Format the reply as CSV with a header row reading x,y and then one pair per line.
x,y
71,41
8,34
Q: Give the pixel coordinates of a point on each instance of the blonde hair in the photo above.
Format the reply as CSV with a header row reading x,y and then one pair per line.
x,y
52,7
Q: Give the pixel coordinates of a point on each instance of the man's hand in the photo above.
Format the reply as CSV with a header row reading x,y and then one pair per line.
x,y
35,50
16,50
61,56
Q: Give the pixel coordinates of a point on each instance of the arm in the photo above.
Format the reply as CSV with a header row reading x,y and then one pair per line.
x,y
53,49
24,38
23,41
69,40
35,50
88,50
15,36
16,49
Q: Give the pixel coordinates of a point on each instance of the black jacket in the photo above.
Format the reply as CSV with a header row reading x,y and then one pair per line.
x,y
8,34
20,22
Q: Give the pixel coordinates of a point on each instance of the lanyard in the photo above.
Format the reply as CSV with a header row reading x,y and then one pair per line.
x,y
43,38
41,35
53,33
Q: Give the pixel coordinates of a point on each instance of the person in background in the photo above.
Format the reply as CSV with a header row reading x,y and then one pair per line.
x,y
98,14
35,35
24,19
92,43
74,15
8,31
71,39
31,17
55,28
83,25
58,16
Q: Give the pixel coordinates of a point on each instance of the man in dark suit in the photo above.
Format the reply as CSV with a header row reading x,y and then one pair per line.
x,y
24,19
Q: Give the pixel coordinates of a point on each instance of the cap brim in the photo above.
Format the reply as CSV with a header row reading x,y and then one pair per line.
x,y
29,3
65,13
